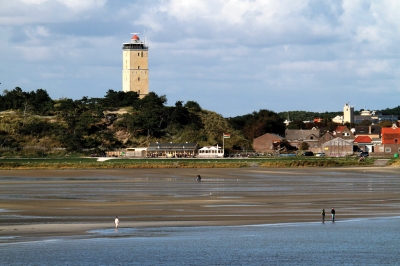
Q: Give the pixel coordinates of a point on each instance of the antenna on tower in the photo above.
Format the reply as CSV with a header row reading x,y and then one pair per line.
x,y
144,34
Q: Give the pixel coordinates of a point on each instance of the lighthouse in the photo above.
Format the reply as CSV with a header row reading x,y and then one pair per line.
x,y
135,66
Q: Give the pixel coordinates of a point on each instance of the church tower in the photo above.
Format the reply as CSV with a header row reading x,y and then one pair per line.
x,y
135,66
348,113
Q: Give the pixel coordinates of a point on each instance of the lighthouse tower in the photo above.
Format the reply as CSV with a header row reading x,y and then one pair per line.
x,y
135,66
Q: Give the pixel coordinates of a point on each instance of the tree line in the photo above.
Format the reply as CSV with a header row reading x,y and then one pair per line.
x,y
122,119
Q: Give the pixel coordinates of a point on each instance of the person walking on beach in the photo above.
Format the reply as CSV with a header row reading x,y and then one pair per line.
x,y
323,215
333,214
116,222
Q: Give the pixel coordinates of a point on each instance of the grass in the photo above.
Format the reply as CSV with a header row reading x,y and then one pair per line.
x,y
92,163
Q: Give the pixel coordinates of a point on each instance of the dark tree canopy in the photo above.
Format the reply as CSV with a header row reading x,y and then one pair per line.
x,y
258,123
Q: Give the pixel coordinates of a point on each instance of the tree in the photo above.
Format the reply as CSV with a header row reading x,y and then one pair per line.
x,y
365,123
40,101
298,124
261,122
115,99
14,99
193,106
383,124
149,117
304,146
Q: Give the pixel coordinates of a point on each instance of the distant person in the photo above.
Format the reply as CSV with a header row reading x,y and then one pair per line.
x,y
333,214
198,178
116,222
323,215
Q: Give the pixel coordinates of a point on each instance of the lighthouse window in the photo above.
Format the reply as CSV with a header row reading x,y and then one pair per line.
x,y
142,54
138,54
138,67
138,78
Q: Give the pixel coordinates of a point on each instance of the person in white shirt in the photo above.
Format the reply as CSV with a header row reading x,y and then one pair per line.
x,y
116,222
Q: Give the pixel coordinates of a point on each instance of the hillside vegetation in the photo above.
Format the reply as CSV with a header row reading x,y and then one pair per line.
x,y
33,124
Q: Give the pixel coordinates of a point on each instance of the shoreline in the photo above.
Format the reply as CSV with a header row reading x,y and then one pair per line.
x,y
52,203
37,232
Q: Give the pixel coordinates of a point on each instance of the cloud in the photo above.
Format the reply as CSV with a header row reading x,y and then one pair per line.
x,y
80,6
241,54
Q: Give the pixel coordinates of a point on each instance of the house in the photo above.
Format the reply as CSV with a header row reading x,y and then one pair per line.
x,y
296,136
136,152
390,140
338,147
210,152
375,117
172,150
325,138
128,152
338,119
344,133
267,143
363,143
372,131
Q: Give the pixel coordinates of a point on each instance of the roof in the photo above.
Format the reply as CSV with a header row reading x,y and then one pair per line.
x,y
270,135
301,134
208,148
363,139
366,130
172,146
388,130
135,37
341,128
337,142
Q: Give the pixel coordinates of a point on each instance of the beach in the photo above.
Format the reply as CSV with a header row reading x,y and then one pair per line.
x,y
40,203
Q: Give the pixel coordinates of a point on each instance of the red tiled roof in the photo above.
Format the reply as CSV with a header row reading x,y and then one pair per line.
x,y
135,37
363,139
340,128
390,130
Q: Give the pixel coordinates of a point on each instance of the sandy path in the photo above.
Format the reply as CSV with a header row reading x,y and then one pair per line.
x,y
69,202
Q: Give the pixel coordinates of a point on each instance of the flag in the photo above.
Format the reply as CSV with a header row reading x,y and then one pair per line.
x,y
227,136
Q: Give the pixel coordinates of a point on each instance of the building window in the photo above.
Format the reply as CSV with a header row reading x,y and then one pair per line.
x,y
137,54
138,79
396,141
142,54
388,149
138,67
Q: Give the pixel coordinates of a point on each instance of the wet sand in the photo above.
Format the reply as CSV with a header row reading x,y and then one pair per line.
x,y
71,202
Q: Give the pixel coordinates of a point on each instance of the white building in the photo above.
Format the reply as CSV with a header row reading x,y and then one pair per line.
x,y
348,113
210,152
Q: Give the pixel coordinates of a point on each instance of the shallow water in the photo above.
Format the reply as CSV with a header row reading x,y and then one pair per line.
x,y
351,242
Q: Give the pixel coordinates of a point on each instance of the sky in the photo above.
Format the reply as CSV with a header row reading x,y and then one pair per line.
x,y
233,57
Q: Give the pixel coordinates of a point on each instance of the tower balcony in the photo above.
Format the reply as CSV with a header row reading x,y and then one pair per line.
x,y
134,46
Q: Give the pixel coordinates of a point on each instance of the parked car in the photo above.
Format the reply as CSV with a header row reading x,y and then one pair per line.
x,y
363,154
307,153
320,154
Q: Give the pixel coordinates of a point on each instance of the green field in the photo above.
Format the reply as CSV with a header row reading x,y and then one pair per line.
x,y
114,163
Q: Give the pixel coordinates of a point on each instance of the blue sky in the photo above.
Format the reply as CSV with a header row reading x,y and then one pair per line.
x,y
233,57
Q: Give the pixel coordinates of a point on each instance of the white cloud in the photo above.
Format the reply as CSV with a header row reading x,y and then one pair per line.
x,y
210,46
33,2
83,5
